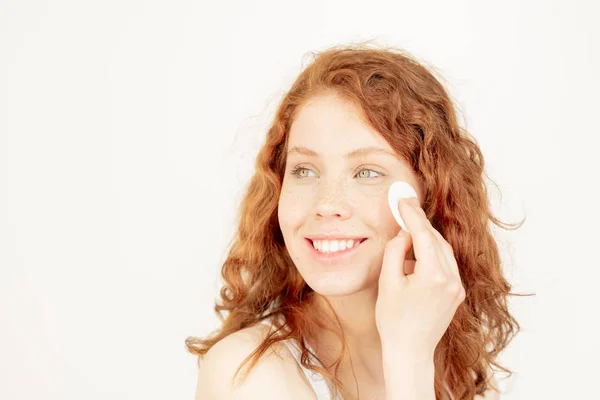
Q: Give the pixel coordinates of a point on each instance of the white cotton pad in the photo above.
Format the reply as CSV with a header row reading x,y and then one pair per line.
x,y
399,190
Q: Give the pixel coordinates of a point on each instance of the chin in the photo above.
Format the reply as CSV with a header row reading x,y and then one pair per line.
x,y
335,282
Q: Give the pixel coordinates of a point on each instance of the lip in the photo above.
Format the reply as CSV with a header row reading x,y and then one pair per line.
x,y
333,236
336,257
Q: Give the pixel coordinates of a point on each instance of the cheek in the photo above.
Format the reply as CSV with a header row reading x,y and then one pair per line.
x,y
291,209
372,206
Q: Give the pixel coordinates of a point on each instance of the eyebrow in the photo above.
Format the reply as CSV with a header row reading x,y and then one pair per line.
x,y
363,151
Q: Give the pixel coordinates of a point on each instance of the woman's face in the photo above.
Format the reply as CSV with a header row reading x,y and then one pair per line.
x,y
337,174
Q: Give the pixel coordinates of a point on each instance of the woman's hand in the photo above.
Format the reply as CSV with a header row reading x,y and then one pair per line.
x,y
414,309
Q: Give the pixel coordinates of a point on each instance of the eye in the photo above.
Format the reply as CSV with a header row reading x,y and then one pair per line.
x,y
366,175
300,172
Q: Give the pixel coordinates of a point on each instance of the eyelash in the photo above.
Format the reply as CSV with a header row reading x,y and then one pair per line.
x,y
297,170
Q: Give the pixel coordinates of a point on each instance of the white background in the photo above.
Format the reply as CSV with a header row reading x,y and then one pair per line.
x,y
128,130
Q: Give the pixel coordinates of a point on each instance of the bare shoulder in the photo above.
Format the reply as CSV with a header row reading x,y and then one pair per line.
x,y
275,376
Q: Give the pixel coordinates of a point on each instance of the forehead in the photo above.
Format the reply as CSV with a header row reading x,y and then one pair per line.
x,y
329,125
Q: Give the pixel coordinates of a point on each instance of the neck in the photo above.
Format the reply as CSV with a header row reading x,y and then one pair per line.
x,y
356,314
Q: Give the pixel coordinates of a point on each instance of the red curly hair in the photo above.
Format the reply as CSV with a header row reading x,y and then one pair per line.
x,y
407,105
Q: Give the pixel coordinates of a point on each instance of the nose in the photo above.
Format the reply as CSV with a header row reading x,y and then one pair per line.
x,y
332,202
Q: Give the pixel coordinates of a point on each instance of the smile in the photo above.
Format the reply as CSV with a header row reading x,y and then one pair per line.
x,y
334,250
334,246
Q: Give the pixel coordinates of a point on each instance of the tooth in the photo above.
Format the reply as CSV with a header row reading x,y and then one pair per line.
x,y
350,243
334,246
343,245
325,246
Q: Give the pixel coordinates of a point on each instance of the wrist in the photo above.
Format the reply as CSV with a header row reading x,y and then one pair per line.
x,y
394,353
414,365
408,374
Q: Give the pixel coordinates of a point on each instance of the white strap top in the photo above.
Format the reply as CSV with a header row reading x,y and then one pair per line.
x,y
316,380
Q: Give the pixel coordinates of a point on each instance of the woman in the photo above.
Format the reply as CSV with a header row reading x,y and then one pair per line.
x,y
325,295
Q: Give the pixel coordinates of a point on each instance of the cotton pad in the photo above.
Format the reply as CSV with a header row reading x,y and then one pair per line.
x,y
399,190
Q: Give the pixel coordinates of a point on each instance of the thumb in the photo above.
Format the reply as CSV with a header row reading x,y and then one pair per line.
x,y
394,256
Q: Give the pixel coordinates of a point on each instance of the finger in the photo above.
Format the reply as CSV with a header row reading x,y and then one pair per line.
x,y
445,254
409,267
448,253
394,256
425,243
443,247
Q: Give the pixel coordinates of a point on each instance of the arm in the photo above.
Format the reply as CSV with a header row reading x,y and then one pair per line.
x,y
408,376
412,377
271,378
